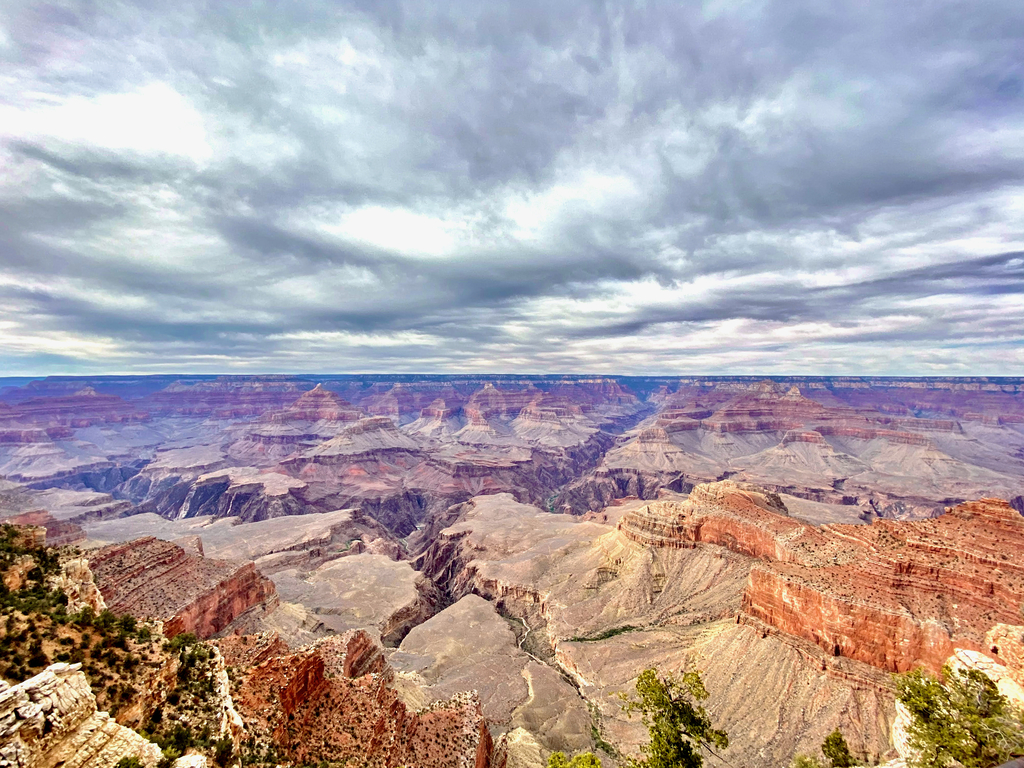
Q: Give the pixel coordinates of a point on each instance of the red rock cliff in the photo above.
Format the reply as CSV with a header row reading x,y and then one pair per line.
x,y
150,578
901,594
334,698
895,594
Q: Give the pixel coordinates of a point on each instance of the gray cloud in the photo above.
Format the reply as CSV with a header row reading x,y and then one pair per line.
x,y
815,187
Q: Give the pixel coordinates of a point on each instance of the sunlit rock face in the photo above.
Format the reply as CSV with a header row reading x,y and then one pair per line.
x,y
893,594
51,719
336,699
154,579
901,594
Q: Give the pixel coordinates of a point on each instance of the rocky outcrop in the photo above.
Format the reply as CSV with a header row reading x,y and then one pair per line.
x,y
58,532
77,582
895,594
900,594
1006,643
244,651
154,579
747,520
334,699
51,720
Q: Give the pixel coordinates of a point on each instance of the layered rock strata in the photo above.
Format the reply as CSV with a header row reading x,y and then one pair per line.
x,y
51,720
901,594
602,606
154,579
895,594
58,532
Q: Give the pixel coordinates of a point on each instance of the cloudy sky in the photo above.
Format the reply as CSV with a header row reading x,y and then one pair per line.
x,y
529,186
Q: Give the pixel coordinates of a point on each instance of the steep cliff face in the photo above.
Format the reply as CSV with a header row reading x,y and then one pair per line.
x,y
602,606
150,578
906,593
334,700
895,594
747,520
51,720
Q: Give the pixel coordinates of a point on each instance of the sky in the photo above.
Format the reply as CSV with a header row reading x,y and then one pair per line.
x,y
532,186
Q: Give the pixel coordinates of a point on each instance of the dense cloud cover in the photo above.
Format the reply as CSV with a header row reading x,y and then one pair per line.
x,y
532,185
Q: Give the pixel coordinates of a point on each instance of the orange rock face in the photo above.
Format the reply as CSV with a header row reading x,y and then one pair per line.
x,y
150,578
58,532
742,518
334,700
895,594
902,594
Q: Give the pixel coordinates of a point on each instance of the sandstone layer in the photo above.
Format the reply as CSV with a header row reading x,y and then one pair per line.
x,y
602,606
154,579
900,595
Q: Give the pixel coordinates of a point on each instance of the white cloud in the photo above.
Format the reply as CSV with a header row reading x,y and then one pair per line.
x,y
154,119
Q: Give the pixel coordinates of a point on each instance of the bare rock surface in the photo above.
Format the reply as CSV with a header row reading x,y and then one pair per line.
x,y
150,578
900,594
51,720
335,700
772,698
302,541
604,606
362,591
468,646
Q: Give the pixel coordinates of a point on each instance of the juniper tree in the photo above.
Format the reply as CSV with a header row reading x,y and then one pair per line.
x,y
678,726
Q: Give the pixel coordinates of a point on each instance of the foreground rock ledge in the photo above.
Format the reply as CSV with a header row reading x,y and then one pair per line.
x,y
51,720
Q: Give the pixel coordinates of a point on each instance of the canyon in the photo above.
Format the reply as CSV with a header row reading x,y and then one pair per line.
x,y
483,562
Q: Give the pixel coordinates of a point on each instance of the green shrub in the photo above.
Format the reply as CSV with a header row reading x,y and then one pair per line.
x,y
678,726
224,749
184,640
836,751
582,760
965,721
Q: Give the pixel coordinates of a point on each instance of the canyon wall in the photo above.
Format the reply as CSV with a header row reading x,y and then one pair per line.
x,y
908,593
155,579
894,594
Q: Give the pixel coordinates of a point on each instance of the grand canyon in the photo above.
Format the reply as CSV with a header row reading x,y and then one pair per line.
x,y
465,570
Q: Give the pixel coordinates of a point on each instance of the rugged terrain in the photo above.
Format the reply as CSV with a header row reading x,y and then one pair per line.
x,y
481,562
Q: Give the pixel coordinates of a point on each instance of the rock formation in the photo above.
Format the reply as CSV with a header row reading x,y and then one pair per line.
x,y
603,606
857,446
58,532
51,720
334,700
155,579
691,546
900,594
893,594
